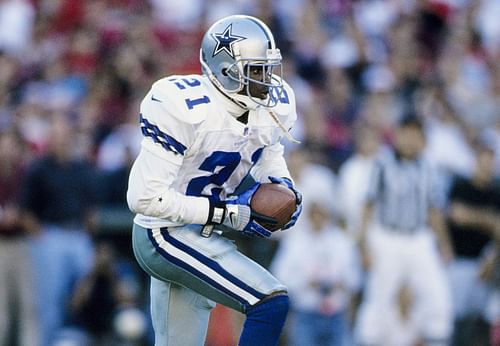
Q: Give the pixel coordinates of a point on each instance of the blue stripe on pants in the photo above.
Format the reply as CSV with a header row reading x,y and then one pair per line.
x,y
205,262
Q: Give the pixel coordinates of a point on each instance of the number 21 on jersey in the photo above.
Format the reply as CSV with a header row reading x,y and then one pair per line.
x,y
185,83
221,164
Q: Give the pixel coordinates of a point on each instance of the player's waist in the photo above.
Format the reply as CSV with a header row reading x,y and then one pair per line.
x,y
151,222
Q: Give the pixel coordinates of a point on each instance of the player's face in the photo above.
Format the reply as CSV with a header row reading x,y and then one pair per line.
x,y
257,73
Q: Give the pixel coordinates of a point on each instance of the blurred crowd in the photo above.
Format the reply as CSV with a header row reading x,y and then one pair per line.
x,y
72,75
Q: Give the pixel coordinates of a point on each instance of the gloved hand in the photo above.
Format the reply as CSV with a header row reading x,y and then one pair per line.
x,y
235,213
298,199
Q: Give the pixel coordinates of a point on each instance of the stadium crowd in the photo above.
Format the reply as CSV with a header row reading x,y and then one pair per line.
x,y
72,75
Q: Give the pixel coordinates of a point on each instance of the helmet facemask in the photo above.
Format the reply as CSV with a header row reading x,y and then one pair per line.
x,y
259,80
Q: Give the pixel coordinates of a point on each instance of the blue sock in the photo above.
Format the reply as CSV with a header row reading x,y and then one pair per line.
x,y
264,322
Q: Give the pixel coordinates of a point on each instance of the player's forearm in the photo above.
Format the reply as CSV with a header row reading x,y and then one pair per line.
x,y
170,205
149,192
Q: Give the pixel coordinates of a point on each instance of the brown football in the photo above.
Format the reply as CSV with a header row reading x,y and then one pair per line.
x,y
274,200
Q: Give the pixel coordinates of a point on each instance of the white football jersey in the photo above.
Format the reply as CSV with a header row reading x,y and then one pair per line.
x,y
194,147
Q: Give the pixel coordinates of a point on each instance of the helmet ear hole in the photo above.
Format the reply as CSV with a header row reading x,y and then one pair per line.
x,y
224,72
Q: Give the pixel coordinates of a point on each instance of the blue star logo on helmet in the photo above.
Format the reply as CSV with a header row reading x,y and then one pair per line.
x,y
225,41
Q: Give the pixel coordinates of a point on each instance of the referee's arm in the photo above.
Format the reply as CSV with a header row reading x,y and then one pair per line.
x,y
438,225
366,217
368,211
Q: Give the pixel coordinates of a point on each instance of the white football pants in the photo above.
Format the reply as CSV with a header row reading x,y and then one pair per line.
x,y
190,274
411,260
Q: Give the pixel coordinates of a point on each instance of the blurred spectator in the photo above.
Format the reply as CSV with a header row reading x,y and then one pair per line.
x,y
318,263
58,88
490,274
354,176
57,197
114,159
446,133
342,111
400,225
312,175
486,23
118,148
101,297
8,80
492,133
382,109
16,26
474,220
178,14
18,319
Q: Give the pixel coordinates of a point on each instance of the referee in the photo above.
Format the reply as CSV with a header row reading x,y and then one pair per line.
x,y
400,226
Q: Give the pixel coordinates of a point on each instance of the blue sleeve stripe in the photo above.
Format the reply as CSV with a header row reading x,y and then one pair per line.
x,y
158,136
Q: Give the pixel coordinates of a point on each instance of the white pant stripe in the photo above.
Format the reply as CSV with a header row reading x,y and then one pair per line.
x,y
194,263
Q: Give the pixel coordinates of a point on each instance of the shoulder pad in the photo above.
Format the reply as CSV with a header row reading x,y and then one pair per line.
x,y
286,109
184,97
286,101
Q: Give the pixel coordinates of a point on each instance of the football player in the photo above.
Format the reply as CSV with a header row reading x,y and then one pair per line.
x,y
204,136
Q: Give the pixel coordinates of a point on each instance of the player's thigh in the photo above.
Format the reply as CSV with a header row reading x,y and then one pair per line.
x,y
210,266
172,320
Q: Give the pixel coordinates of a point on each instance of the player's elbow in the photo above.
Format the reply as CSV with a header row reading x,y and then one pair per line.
x,y
137,201
133,201
140,202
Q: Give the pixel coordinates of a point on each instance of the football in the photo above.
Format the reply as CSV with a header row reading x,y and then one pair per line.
x,y
274,200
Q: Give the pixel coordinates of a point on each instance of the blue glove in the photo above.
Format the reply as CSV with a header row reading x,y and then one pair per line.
x,y
298,199
235,213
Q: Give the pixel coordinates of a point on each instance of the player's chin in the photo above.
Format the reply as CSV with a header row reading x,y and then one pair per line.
x,y
263,94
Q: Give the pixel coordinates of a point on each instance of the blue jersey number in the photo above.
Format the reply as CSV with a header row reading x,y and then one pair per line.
x,y
184,83
228,161
279,94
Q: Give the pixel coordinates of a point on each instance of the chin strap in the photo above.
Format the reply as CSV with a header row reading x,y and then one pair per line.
x,y
287,134
245,106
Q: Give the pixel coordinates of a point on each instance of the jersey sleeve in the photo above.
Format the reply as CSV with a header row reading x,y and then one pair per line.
x,y
167,123
169,130
149,192
286,109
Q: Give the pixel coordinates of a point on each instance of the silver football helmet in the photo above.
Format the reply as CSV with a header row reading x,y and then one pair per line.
x,y
235,46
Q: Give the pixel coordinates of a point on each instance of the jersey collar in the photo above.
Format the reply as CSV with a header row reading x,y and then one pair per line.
x,y
225,102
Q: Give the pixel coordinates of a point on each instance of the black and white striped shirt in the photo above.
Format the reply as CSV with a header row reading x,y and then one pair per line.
x,y
402,192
